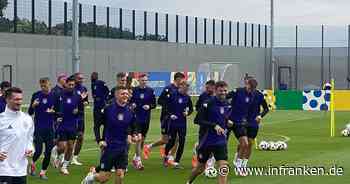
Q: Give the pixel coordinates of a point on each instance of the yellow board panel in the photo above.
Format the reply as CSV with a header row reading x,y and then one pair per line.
x,y
342,100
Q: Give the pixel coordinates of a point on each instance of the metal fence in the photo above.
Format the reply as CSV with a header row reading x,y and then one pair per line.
x,y
55,18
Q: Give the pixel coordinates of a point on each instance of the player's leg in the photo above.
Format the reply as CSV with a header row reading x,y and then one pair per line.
x,y
62,139
171,143
46,161
103,174
38,144
194,155
144,127
241,134
203,156
79,142
97,123
68,153
252,132
220,154
163,140
223,171
181,133
120,165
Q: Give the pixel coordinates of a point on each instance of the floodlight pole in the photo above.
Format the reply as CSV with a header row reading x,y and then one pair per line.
x,y
75,39
272,45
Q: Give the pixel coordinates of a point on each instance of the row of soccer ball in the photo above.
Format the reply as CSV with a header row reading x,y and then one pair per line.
x,y
273,146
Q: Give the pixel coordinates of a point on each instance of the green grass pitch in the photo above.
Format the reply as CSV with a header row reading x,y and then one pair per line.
x,y
309,143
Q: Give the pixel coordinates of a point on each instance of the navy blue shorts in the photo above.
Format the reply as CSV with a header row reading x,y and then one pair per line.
x,y
81,125
165,126
116,159
66,135
204,153
249,131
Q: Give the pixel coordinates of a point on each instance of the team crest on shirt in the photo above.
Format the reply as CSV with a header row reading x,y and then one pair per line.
x,y
120,117
79,93
142,96
69,101
44,100
247,99
222,110
95,87
180,100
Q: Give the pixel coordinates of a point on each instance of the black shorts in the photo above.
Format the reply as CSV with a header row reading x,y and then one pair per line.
x,y
116,159
249,131
165,125
43,136
142,128
219,153
98,116
66,135
13,180
81,125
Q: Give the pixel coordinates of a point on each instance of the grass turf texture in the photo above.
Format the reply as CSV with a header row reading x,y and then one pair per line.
x,y
309,144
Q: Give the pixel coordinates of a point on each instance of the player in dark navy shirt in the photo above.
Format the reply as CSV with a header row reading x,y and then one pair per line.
x,y
82,91
245,117
212,119
3,86
121,81
206,95
68,114
180,106
99,91
143,101
42,107
120,130
163,101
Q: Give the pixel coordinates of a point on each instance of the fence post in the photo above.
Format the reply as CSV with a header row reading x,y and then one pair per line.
x,y
205,30
33,16
65,19
245,34
120,23
167,27
156,25
186,29
94,17
50,17
230,33
107,34
196,30
237,34
133,25
145,25
177,28
213,41
222,32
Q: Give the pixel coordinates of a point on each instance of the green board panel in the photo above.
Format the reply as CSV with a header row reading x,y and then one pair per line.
x,y
289,100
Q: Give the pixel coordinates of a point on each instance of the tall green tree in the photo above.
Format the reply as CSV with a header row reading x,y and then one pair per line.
x,y
3,5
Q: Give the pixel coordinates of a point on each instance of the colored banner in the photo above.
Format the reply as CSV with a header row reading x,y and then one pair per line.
x,y
316,100
289,100
158,80
342,100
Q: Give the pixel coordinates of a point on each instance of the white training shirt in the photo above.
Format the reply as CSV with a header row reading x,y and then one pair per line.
x,y
16,137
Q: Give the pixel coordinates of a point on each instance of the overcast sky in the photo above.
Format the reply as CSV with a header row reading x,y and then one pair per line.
x,y
288,12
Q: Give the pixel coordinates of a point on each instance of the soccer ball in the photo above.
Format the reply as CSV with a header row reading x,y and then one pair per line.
x,y
264,145
279,145
273,146
345,132
211,172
